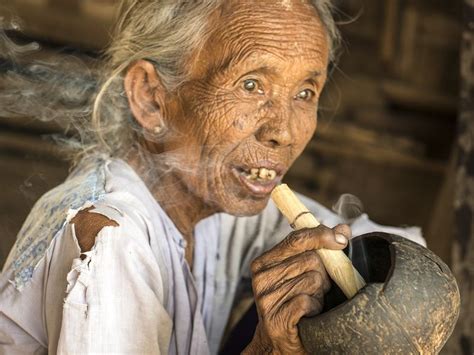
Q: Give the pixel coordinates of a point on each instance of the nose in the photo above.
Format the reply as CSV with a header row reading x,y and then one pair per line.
x,y
276,131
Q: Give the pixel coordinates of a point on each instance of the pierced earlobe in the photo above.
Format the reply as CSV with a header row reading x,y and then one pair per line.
x,y
157,129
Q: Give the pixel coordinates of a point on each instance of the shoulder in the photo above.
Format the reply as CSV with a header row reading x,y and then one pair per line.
x,y
47,218
90,184
88,225
116,266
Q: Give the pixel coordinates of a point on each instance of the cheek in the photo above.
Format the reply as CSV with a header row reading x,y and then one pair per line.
x,y
224,117
246,117
304,129
310,128
213,131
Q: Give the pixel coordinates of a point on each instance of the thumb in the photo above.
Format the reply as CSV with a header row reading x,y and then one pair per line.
x,y
336,238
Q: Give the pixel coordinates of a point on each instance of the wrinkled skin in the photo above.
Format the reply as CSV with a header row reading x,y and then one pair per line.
x,y
289,282
251,99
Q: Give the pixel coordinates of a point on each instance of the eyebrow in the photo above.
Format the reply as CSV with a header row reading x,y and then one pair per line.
x,y
313,74
260,70
230,61
264,70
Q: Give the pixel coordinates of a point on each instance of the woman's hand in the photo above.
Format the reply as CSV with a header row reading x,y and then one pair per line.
x,y
289,282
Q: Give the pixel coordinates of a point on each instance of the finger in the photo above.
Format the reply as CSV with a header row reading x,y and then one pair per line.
x,y
320,298
298,307
326,281
282,324
298,242
343,229
309,283
274,276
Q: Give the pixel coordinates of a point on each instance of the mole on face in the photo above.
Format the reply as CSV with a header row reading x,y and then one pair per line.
x,y
250,105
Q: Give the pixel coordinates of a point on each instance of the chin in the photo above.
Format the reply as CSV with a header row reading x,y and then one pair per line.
x,y
239,196
245,207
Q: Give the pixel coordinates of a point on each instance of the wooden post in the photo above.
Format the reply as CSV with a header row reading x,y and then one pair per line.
x,y
462,340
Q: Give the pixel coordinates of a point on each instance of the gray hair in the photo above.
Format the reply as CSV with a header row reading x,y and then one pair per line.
x,y
165,32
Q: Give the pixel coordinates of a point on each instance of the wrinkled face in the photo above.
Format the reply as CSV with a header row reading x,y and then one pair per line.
x,y
250,106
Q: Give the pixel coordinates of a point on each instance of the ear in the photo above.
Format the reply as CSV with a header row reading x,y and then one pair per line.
x,y
146,94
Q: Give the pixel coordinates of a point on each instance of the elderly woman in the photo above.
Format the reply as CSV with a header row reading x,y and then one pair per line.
x,y
165,222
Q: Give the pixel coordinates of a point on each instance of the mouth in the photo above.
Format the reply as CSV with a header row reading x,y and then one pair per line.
x,y
260,179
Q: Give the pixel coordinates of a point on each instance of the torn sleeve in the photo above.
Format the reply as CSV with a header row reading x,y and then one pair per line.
x,y
114,296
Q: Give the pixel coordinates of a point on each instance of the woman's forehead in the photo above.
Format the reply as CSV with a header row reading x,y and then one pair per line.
x,y
248,31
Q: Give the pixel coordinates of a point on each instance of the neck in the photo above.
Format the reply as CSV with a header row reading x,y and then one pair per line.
x,y
181,205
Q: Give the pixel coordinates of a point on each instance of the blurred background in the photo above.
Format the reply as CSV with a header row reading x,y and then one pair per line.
x,y
387,128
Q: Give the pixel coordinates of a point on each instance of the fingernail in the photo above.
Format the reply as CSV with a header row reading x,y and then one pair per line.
x,y
341,239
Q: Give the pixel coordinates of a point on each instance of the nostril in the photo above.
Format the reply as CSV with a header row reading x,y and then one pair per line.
x,y
273,135
268,104
273,143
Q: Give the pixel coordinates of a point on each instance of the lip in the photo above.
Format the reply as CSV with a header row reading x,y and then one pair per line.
x,y
259,188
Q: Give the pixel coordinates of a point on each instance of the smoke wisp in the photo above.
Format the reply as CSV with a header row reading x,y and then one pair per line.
x,y
47,85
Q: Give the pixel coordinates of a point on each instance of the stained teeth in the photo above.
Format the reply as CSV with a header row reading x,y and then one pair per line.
x,y
261,173
271,174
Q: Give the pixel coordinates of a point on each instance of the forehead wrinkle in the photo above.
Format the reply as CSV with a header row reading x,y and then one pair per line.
x,y
234,54
252,54
242,30
239,40
234,8
239,50
270,32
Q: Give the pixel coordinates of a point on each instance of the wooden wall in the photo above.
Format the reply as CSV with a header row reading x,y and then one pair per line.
x,y
386,124
388,116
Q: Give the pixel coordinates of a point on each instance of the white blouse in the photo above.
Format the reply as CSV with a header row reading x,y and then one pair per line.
x,y
133,292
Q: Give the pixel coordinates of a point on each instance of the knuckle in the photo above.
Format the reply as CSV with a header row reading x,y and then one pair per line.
x,y
306,258
257,284
262,282
313,276
257,280
313,259
327,234
299,261
305,283
317,278
313,281
290,242
324,230
296,237
265,303
344,229
326,283
304,302
310,305
256,265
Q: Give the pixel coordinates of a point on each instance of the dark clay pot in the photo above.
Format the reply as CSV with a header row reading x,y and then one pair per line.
x,y
410,305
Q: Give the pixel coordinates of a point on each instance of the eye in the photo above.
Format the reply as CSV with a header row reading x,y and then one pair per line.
x,y
252,85
305,95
